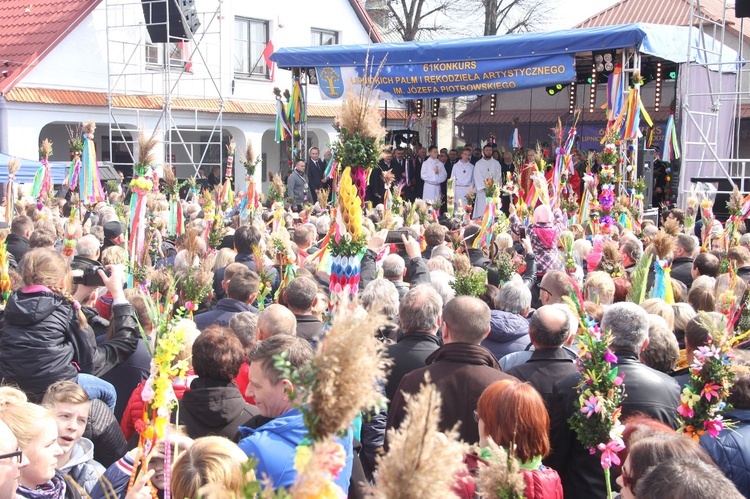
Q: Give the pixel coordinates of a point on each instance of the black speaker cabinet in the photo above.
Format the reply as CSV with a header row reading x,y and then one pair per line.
x,y
163,28
645,169
742,8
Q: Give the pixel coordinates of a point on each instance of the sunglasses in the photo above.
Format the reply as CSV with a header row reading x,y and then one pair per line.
x,y
17,454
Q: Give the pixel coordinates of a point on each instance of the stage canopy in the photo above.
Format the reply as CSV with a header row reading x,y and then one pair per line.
x,y
483,65
29,167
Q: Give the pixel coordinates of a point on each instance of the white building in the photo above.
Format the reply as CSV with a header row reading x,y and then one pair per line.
x,y
67,60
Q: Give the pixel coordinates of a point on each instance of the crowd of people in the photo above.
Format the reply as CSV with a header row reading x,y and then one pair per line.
x,y
76,347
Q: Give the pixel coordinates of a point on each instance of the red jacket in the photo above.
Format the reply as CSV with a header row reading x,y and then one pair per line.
x,y
133,416
242,380
543,483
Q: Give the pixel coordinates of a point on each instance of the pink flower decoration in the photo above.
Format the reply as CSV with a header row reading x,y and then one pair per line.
x,y
619,379
591,406
609,453
713,426
610,357
685,411
190,306
711,390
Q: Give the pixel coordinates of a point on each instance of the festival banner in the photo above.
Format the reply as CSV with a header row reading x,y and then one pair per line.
x,y
591,136
450,79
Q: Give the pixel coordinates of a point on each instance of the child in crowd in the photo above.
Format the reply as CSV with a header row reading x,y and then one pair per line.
x,y
69,405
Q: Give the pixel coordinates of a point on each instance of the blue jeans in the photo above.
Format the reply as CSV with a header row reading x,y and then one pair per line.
x,y
97,388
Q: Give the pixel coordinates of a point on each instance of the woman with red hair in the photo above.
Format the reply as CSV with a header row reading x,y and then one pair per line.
x,y
514,416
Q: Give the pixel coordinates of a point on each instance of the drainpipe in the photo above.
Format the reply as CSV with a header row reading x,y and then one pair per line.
x,y
4,125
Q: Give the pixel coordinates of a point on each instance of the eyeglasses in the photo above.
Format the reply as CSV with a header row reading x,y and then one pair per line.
x,y
545,290
18,455
627,480
476,416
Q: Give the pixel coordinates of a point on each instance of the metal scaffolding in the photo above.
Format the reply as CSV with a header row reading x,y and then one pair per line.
x,y
713,83
172,87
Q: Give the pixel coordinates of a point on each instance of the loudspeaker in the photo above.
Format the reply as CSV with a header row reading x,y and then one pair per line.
x,y
107,172
645,169
163,28
742,8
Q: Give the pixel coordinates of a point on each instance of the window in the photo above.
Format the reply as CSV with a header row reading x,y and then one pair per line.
x,y
250,39
177,54
324,37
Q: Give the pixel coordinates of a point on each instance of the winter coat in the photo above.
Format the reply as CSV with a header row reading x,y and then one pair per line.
x,y
731,449
116,477
310,328
41,341
133,415
214,407
461,372
541,483
544,238
104,432
17,246
508,333
543,369
682,271
128,375
275,443
222,313
647,391
82,467
408,354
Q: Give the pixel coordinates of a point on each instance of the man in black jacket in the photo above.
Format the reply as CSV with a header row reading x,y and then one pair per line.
x,y
419,316
647,391
300,295
682,265
17,242
241,292
549,362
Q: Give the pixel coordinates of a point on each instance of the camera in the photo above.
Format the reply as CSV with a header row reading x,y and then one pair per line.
x,y
90,276
394,236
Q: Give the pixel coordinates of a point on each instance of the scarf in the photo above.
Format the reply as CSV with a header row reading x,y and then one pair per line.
x,y
54,489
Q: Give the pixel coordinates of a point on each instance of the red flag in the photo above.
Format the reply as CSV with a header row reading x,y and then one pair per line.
x,y
267,51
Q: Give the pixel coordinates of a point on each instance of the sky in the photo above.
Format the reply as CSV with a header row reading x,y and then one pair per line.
x,y
568,13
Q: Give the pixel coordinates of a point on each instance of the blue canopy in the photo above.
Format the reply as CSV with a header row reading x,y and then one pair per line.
x,y
666,42
29,167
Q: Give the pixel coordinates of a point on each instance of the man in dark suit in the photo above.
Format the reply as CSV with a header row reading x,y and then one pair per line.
x,y
376,185
315,169
398,165
414,183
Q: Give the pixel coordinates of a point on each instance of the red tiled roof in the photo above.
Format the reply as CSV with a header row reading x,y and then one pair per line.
x,y
99,99
672,12
31,29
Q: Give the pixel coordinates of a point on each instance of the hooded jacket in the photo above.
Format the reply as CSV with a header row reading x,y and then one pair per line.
x,y
461,372
41,341
82,468
222,313
275,443
214,407
508,333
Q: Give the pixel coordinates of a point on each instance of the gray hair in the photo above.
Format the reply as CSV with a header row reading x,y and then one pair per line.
x,y
380,295
745,239
442,250
420,309
662,350
322,225
393,266
542,331
441,281
628,323
243,325
88,246
514,298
